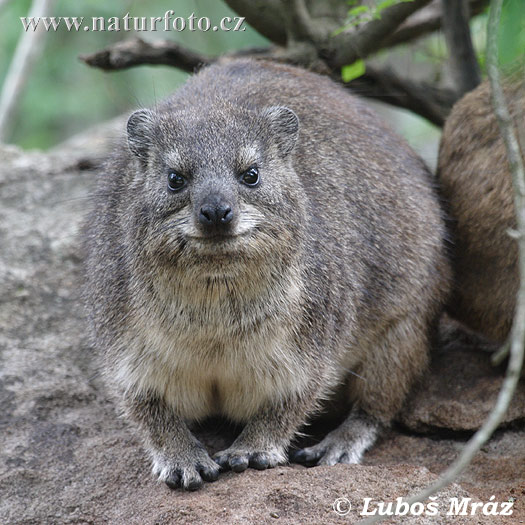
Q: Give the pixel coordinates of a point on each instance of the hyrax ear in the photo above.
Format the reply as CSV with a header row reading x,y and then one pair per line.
x,y
140,131
284,126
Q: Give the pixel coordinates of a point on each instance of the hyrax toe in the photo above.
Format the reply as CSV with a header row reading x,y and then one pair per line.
x,y
209,474
240,460
173,480
308,456
191,480
259,461
188,473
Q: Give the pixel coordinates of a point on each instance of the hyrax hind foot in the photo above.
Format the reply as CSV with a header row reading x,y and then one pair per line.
x,y
187,471
346,444
239,459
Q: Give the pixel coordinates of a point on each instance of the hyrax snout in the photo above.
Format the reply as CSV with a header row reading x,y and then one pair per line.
x,y
262,244
216,215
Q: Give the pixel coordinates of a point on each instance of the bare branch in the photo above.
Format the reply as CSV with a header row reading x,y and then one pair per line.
x,y
426,21
136,52
300,24
348,47
463,61
265,16
325,17
518,327
421,98
27,51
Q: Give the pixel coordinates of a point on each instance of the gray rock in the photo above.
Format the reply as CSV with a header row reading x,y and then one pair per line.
x,y
460,390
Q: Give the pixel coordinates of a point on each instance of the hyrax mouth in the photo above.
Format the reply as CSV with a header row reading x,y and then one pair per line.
x,y
220,245
218,237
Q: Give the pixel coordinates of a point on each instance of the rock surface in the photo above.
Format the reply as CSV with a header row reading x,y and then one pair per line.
x,y
459,393
67,458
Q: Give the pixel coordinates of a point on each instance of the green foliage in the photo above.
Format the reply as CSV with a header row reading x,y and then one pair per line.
x,y
511,36
362,14
64,96
352,71
512,32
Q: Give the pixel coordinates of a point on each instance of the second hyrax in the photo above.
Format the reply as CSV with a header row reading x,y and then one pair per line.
x,y
261,244
475,178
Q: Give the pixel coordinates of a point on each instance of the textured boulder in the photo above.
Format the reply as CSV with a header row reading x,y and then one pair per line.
x,y
459,392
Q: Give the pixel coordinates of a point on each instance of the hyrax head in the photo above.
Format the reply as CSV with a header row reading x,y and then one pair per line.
x,y
215,183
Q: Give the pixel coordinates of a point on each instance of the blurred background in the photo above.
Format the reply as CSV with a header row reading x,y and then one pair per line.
x,y
63,96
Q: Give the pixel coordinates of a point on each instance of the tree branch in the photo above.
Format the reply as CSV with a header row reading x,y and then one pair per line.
x,y
426,21
265,16
309,26
136,52
463,61
300,23
518,327
421,98
323,18
27,51
350,46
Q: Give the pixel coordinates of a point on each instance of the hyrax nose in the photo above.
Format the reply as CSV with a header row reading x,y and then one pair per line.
x,y
215,215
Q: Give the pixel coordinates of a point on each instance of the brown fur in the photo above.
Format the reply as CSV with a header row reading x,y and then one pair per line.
x,y
474,174
331,275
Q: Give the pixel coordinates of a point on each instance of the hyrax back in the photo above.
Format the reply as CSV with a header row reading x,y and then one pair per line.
x,y
474,174
262,242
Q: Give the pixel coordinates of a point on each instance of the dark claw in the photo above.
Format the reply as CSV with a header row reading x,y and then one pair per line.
x,y
209,474
173,481
222,461
239,464
194,484
259,461
306,457
297,456
343,458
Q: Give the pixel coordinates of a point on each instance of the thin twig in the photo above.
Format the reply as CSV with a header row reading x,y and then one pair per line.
x,y
518,328
27,51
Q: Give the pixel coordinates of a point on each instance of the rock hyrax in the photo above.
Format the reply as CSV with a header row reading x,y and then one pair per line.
x,y
474,174
261,242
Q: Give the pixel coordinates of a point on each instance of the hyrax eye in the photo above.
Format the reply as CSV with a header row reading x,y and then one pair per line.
x,y
250,177
176,181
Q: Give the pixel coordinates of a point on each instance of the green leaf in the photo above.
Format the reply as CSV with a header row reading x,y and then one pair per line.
x,y
387,3
352,71
359,10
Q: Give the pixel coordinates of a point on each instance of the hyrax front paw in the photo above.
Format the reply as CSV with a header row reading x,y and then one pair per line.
x,y
187,471
328,452
345,444
239,459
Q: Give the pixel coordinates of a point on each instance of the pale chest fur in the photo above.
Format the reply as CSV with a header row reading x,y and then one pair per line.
x,y
209,354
